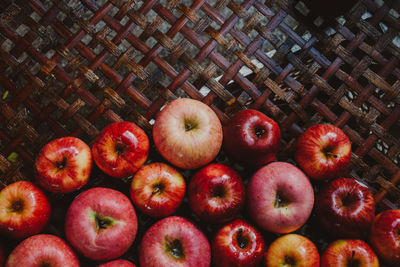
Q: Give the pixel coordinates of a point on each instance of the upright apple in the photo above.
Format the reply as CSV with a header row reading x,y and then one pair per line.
x,y
42,250
63,165
187,133
216,193
24,210
174,241
117,263
157,189
292,250
121,149
349,253
252,138
345,208
238,244
101,223
385,236
280,198
323,151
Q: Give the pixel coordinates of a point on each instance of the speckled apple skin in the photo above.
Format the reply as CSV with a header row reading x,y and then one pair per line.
x,y
81,229
117,263
261,195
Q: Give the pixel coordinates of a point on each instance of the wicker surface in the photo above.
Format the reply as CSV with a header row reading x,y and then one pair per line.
x,y
71,67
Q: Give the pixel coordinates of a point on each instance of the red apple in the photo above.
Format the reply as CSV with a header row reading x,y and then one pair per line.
x,y
42,250
385,236
24,210
174,241
292,250
187,133
157,189
101,223
216,193
251,138
349,253
280,198
121,149
117,263
345,208
63,165
323,151
237,244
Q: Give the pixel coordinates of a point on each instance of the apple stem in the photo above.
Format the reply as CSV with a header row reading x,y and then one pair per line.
x,y
17,205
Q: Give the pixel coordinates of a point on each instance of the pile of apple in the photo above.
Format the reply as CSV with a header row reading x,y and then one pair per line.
x,y
101,223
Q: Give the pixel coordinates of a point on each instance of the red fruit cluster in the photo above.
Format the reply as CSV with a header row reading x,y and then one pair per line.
x,y
101,223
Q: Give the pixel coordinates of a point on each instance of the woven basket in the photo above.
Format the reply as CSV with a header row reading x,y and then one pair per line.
x,y
72,67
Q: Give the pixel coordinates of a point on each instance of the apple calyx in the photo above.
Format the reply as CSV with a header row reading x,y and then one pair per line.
x,y
175,249
102,222
242,240
17,206
329,152
289,261
61,165
349,199
218,191
260,131
281,200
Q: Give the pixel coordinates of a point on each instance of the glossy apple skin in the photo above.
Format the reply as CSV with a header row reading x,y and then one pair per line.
x,y
85,215
345,208
323,151
284,181
42,249
292,248
340,252
252,138
31,213
216,193
174,234
384,236
117,263
157,189
63,165
238,244
121,149
188,133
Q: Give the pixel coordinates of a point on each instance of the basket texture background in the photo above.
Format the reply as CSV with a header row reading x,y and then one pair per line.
x,y
72,67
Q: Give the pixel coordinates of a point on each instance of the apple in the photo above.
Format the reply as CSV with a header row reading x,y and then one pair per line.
x,y
63,165
280,198
251,138
216,193
384,236
323,151
42,250
157,189
121,149
117,263
238,244
292,250
345,208
187,133
349,253
24,210
174,241
101,223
